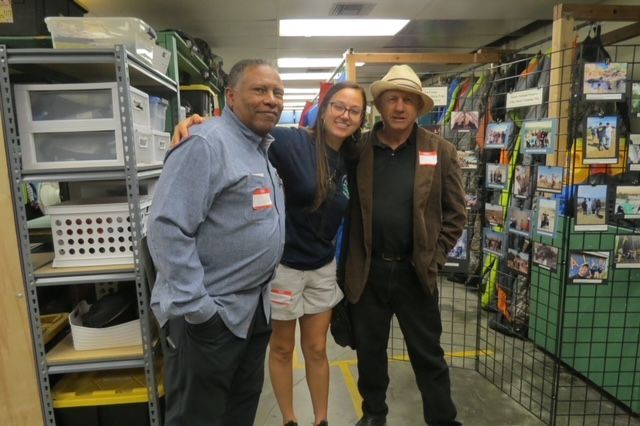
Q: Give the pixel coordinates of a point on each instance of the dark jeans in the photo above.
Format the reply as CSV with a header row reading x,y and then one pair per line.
x,y
393,288
213,377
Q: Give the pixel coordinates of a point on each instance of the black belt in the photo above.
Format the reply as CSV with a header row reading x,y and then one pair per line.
x,y
387,257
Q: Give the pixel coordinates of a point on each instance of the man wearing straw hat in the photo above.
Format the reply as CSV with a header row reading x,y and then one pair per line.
x,y
407,213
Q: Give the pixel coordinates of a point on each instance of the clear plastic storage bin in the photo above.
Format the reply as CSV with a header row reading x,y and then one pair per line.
x,y
158,112
92,32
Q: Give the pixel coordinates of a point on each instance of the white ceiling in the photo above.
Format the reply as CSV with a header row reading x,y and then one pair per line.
x,y
237,29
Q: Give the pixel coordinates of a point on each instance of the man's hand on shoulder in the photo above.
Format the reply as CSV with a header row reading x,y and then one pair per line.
x,y
181,131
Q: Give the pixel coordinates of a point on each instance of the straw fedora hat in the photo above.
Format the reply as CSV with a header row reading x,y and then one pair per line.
x,y
402,77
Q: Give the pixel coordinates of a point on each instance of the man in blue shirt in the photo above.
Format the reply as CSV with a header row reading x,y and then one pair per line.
x,y
216,234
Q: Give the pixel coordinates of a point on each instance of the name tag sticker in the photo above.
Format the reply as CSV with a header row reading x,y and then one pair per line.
x,y
428,158
281,297
262,199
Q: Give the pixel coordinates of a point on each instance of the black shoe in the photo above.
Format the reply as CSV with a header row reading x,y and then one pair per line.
x,y
323,423
371,420
291,423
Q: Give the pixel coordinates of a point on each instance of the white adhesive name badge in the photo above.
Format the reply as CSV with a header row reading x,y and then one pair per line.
x,y
262,199
428,158
281,297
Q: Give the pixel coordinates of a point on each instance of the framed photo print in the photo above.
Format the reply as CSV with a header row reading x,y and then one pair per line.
x,y
540,136
498,135
588,267
627,251
601,140
518,261
549,179
464,121
494,214
468,160
604,81
547,217
494,242
628,202
545,256
634,111
496,176
522,182
519,222
591,208
634,152
458,257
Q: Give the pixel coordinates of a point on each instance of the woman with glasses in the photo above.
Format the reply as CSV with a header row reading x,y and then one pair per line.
x,y
311,163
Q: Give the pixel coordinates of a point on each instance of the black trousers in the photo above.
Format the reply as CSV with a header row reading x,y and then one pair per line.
x,y
213,377
393,288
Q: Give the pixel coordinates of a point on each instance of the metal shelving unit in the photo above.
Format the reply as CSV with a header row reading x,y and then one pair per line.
x,y
70,66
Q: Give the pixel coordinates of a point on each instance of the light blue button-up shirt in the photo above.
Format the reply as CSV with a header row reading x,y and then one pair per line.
x,y
216,227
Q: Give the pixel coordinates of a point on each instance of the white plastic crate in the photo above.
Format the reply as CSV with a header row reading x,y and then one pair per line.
x,y
95,32
93,233
161,142
158,111
87,338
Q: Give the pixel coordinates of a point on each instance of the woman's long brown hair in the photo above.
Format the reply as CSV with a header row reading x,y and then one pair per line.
x,y
318,132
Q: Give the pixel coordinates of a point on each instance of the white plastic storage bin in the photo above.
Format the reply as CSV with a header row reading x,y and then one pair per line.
x,y
73,126
91,233
87,338
144,146
161,143
93,32
158,112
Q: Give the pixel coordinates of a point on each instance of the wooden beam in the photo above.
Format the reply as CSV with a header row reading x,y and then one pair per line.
x,y
621,34
349,65
427,58
585,12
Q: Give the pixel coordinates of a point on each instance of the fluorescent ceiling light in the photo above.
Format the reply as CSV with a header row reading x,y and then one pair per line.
x,y
306,75
288,90
308,96
309,62
340,27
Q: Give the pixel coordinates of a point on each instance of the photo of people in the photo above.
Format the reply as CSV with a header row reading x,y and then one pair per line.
x,y
634,152
588,267
545,256
539,137
546,218
549,179
628,202
468,160
627,251
498,135
493,242
519,221
471,201
635,99
459,252
496,176
591,208
604,80
601,145
464,121
518,261
493,214
522,182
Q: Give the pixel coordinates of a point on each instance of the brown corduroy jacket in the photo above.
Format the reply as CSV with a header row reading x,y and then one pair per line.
x,y
439,213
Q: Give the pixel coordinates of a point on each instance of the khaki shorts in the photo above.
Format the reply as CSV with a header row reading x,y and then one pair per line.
x,y
295,293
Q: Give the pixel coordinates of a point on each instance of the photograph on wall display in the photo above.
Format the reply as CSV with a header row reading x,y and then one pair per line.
x,y
522,182
540,136
498,135
545,256
493,214
591,208
604,81
459,254
601,145
634,152
518,261
496,176
494,242
464,121
468,160
547,217
471,201
434,128
519,221
628,202
627,251
635,99
588,267
549,179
